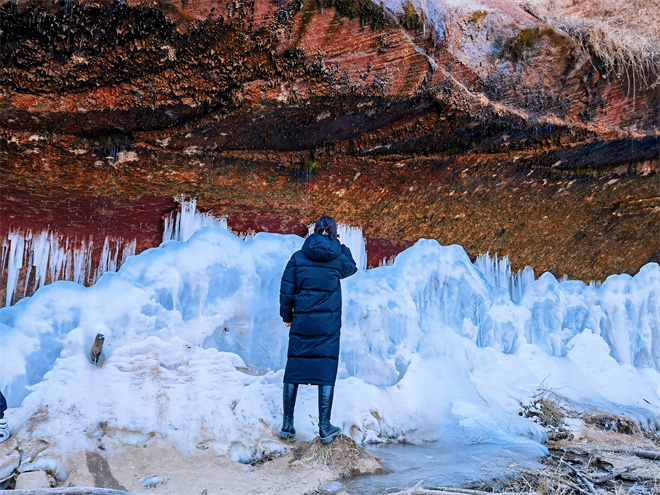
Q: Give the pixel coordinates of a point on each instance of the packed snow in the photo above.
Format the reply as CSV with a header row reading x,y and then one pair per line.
x,y
431,350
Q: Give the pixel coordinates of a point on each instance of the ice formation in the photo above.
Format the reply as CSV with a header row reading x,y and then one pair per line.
x,y
498,273
194,349
181,225
47,256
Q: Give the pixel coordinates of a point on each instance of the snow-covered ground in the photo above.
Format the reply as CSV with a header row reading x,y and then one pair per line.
x,y
194,350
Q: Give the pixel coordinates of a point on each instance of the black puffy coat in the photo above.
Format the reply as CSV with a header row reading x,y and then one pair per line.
x,y
310,298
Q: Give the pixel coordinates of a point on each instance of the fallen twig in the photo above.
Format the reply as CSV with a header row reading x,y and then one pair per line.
x,y
576,487
582,478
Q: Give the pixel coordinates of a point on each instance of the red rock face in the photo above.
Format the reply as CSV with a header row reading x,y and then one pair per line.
x,y
489,134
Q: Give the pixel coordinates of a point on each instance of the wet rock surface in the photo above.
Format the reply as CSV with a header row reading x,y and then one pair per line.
x,y
498,133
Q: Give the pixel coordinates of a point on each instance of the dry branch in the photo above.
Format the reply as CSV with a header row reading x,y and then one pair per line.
x,y
576,488
654,455
609,477
583,479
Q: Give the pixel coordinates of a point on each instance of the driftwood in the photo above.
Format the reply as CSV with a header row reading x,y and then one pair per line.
x,y
653,455
71,490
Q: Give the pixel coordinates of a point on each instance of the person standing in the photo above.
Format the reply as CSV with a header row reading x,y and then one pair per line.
x,y
4,429
310,305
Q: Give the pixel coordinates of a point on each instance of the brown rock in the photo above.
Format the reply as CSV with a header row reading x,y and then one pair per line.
x,y
342,454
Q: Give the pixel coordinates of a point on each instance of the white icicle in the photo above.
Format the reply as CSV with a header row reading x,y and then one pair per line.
x,y
498,273
182,225
129,250
16,253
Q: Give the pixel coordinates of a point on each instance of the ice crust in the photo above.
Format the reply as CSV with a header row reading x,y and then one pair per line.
x,y
194,349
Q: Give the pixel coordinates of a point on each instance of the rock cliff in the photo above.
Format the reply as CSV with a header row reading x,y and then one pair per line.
x,y
480,125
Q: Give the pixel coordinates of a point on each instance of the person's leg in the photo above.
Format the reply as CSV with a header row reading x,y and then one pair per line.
x,y
326,430
289,393
4,429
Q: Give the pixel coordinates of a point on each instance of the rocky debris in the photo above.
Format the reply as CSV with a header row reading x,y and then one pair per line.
x,y
590,449
33,480
548,410
18,457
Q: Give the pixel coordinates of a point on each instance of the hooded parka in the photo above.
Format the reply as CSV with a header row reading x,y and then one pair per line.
x,y
310,298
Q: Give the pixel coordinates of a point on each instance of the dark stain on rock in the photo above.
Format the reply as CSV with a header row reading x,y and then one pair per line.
x,y
100,469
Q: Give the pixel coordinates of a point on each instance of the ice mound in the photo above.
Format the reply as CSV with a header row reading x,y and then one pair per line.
x,y
194,350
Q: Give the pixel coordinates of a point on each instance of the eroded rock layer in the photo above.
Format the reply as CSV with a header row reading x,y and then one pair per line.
x,y
482,126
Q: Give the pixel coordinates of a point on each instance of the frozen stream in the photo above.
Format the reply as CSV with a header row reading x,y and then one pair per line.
x,y
445,464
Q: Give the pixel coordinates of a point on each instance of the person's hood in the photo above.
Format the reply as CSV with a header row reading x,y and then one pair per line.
x,y
319,247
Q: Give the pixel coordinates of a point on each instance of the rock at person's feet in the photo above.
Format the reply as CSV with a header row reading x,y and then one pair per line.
x,y
342,453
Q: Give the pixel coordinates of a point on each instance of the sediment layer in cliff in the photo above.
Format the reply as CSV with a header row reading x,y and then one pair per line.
x,y
482,126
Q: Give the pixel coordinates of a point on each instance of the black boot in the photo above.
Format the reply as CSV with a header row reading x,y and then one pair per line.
x,y
326,431
289,393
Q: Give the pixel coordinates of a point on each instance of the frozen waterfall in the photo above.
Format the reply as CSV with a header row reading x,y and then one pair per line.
x,y
46,256
430,348
181,225
498,273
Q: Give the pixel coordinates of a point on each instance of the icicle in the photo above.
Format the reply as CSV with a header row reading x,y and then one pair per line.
x,y
186,222
5,252
104,261
353,238
57,258
112,263
498,273
168,230
40,247
520,281
82,262
16,253
129,250
68,262
30,263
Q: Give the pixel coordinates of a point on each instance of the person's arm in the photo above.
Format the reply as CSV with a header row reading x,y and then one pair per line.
x,y
349,267
287,291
